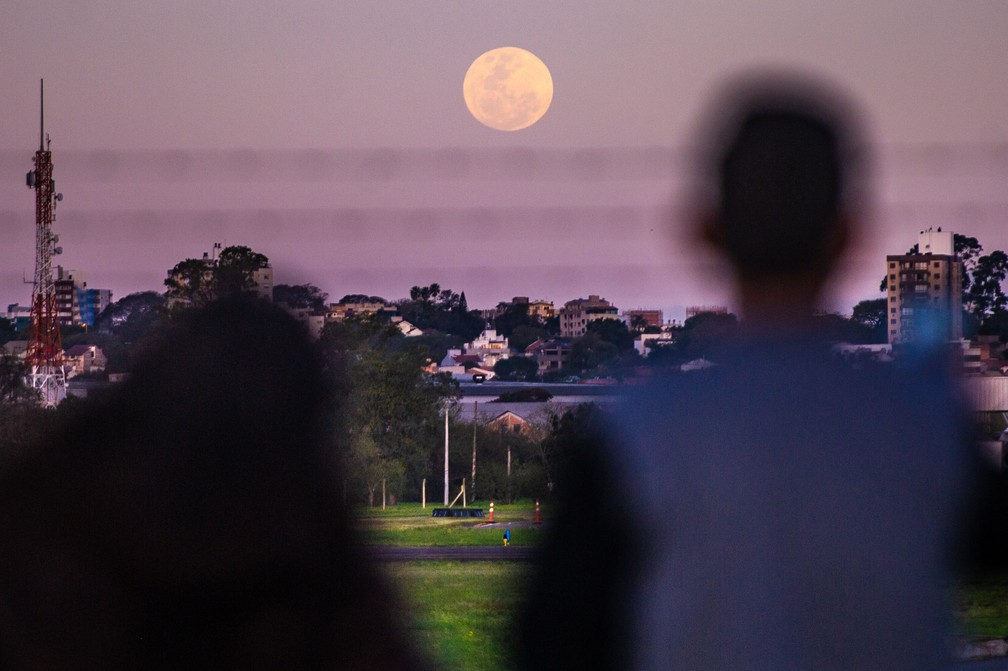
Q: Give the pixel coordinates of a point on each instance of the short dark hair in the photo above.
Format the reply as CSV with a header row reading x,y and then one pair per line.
x,y
783,171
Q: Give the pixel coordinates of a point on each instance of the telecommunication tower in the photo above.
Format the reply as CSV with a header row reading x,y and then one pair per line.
x,y
44,355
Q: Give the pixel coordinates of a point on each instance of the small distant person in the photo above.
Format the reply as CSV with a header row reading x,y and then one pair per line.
x,y
779,510
507,537
192,520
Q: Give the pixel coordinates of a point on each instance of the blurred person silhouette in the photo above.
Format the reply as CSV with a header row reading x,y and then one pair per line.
x,y
192,519
781,510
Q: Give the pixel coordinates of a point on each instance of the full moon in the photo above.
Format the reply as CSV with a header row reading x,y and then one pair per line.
x,y
508,88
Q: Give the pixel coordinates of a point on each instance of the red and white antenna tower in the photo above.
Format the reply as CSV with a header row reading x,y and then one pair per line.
x,y
45,349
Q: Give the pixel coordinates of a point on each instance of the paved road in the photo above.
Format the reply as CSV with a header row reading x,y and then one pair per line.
x,y
493,553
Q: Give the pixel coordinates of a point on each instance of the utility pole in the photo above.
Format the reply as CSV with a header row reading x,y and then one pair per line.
x,y
446,455
472,478
45,348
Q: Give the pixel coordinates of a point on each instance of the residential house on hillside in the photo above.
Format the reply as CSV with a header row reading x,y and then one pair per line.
x,y
646,342
15,348
464,366
340,311
313,322
551,355
538,309
84,359
489,347
406,328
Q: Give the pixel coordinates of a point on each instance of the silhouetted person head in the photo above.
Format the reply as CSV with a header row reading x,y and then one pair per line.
x,y
779,185
192,521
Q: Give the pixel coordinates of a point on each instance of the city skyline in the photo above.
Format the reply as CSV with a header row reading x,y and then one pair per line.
x,y
336,141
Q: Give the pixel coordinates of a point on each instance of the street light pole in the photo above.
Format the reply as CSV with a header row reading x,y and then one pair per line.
x,y
446,455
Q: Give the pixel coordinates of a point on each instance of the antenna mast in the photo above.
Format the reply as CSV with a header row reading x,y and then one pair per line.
x,y
45,349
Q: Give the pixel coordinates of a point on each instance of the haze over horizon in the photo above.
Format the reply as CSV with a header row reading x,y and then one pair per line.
x,y
335,140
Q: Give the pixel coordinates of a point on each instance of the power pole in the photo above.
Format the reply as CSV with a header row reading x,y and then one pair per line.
x,y
446,455
472,479
45,348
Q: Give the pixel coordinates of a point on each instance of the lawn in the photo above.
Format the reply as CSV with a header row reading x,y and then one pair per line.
x,y
408,524
983,607
463,612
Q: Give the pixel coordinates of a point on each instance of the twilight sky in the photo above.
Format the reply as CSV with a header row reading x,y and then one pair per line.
x,y
333,137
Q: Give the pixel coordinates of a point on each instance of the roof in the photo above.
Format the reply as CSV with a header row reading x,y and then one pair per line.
x,y
78,350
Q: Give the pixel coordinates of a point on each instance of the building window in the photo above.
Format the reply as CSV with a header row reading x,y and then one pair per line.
x,y
892,321
937,276
892,311
937,264
892,264
892,299
892,278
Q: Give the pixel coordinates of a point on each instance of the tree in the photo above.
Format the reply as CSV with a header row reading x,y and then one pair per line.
x,y
196,282
517,368
361,298
871,314
301,296
21,417
523,336
638,323
132,316
190,283
8,331
235,270
514,316
985,296
390,406
569,435
432,307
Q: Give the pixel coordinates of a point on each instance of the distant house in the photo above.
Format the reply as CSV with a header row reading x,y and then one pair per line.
x,y
407,329
550,354
15,348
645,342
313,322
489,348
509,421
84,359
463,366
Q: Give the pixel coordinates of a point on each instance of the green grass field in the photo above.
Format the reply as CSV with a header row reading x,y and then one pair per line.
x,y
463,612
983,607
407,524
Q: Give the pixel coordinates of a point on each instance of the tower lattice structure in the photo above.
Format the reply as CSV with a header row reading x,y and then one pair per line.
x,y
44,355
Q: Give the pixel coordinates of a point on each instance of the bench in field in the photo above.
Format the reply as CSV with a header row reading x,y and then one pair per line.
x,y
457,512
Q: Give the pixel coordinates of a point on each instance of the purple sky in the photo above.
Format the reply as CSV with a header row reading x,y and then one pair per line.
x,y
333,137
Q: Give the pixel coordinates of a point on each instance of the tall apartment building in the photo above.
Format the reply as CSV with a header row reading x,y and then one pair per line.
x,y
924,290
66,284
76,304
575,315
